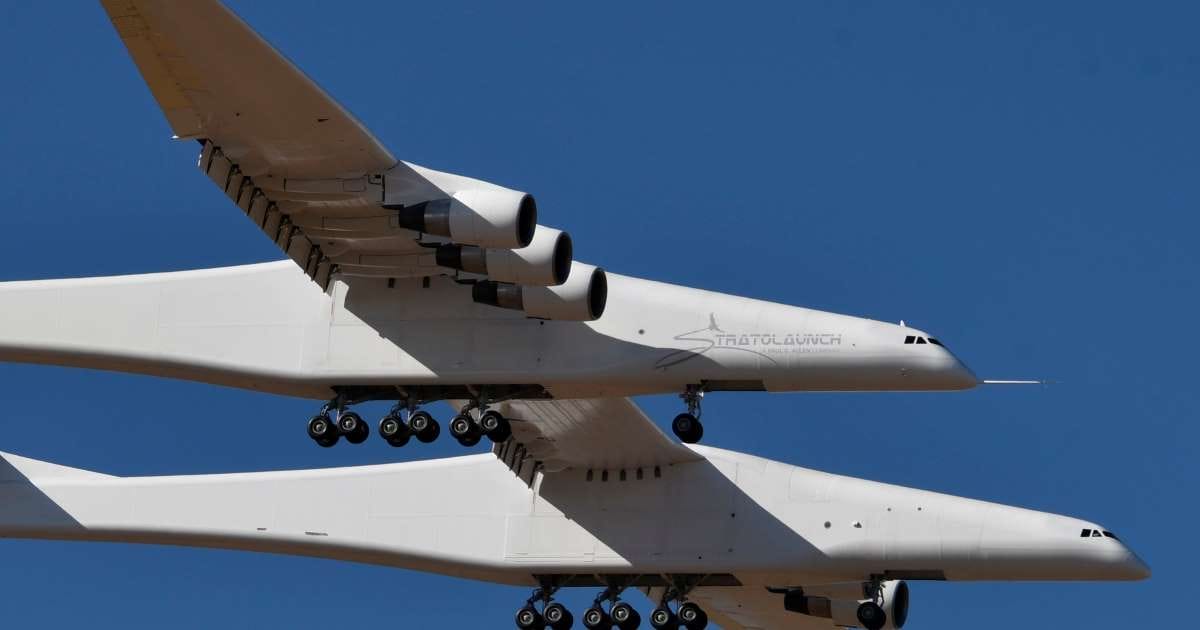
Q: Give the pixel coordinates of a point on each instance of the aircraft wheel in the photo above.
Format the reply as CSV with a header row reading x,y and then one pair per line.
x,y
558,617
595,618
463,428
663,619
326,441
625,617
687,428
495,426
353,427
871,616
693,616
392,428
528,618
424,427
320,428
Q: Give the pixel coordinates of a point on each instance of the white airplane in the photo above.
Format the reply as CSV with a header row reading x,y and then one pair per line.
x,y
589,493
409,284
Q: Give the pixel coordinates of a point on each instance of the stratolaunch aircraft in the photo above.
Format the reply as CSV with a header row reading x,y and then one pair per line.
x,y
589,493
409,284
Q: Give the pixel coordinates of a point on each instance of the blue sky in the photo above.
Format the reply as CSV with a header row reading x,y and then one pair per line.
x,y
1018,178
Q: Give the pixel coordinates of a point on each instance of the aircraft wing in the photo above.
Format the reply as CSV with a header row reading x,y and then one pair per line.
x,y
608,436
310,175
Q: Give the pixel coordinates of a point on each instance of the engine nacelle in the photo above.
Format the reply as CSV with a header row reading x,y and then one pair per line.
x,y
888,614
546,261
487,217
581,298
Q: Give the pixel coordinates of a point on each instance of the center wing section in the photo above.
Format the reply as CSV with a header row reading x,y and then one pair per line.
x,y
602,435
751,608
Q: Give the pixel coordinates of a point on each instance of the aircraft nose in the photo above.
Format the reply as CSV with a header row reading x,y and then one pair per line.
x,y
961,374
1132,567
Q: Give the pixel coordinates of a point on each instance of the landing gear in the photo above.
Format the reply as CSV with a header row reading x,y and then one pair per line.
x,y
558,617
625,616
394,430
322,431
495,426
469,430
692,616
663,618
687,425
352,426
595,618
871,616
464,429
553,615
528,618
405,421
424,427
687,614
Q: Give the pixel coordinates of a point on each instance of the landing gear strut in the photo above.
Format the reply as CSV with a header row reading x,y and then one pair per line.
x,y
688,614
333,421
553,614
687,425
870,614
620,615
469,429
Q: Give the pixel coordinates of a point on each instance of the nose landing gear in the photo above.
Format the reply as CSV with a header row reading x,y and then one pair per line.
x,y
687,425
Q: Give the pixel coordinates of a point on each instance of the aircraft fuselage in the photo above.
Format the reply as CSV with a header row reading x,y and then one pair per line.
x,y
266,327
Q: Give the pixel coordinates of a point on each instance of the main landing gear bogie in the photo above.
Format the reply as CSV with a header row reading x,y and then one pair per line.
x,y
469,427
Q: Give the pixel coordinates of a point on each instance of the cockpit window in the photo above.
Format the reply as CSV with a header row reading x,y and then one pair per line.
x,y
1085,533
920,340
935,342
910,339
1111,535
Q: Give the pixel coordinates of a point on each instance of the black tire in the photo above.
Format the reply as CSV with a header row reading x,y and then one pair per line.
x,y
595,618
399,440
462,428
687,428
625,616
558,617
662,618
495,426
391,427
528,618
320,427
693,617
424,427
871,616
348,422
326,441
361,432
470,440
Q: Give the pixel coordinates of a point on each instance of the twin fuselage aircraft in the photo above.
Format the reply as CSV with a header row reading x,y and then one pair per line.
x,y
407,284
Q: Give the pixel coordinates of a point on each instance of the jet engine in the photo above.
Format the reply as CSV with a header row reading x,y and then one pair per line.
x,y
581,297
546,261
887,611
490,217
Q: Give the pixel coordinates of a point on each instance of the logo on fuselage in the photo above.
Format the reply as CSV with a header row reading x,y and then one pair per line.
x,y
765,345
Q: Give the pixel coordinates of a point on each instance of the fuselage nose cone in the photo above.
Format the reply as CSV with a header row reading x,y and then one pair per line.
x,y
1133,567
